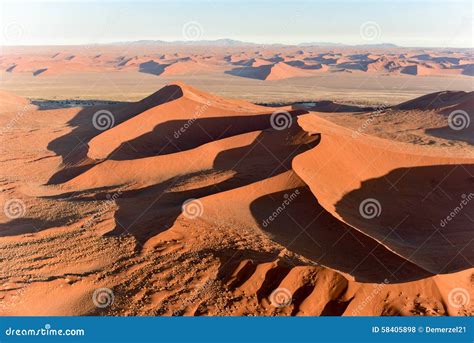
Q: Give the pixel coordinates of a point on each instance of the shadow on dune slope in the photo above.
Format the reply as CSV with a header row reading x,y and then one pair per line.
x,y
21,226
304,227
146,212
73,147
425,214
179,135
151,67
466,135
258,73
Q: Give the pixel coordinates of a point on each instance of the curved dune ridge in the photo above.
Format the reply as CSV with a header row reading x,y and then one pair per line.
x,y
183,119
271,71
188,203
407,192
444,102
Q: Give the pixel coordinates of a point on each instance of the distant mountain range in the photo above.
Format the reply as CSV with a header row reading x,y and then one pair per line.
x,y
233,42
328,44
217,42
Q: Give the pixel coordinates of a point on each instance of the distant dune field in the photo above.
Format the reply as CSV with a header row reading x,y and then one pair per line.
x,y
256,73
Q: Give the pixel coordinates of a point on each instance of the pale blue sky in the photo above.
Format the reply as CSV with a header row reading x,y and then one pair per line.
x,y
446,23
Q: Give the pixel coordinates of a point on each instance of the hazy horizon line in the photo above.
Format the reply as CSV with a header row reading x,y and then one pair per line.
x,y
237,42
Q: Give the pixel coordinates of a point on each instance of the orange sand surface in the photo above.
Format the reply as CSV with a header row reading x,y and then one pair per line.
x,y
189,203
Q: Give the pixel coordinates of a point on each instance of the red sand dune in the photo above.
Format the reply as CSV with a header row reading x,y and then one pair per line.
x,y
444,102
117,211
384,64
187,67
284,71
277,71
412,187
152,131
455,106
